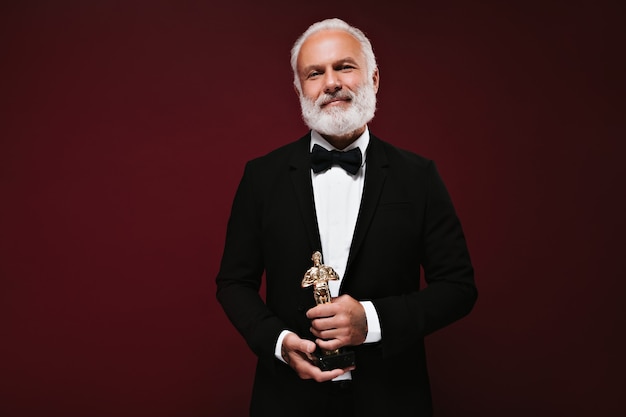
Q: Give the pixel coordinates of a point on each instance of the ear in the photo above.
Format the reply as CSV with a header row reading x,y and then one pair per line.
x,y
295,90
376,79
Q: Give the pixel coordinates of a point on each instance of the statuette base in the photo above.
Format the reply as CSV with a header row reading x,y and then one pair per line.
x,y
327,362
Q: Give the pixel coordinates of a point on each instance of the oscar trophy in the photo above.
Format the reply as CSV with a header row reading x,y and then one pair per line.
x,y
318,276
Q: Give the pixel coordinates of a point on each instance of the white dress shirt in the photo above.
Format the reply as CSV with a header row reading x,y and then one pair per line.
x,y
337,196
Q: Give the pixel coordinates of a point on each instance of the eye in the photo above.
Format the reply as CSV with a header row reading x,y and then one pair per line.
x,y
313,74
346,67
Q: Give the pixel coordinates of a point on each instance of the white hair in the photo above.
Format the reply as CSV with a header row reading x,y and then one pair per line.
x,y
333,24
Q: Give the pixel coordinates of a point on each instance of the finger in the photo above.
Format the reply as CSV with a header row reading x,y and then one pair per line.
x,y
331,344
307,347
322,376
294,343
302,367
324,324
329,334
320,311
307,370
323,334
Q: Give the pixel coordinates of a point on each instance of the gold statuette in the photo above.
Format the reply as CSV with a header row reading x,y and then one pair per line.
x,y
318,276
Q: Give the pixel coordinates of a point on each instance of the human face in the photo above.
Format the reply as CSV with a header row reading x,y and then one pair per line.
x,y
329,61
336,95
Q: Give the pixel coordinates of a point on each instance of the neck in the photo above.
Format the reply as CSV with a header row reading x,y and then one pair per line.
x,y
342,141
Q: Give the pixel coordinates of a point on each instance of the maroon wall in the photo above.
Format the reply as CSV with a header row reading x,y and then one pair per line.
x,y
124,130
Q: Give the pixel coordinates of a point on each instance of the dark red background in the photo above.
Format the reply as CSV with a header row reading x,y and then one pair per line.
x,y
124,130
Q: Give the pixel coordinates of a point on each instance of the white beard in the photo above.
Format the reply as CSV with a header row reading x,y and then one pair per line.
x,y
335,121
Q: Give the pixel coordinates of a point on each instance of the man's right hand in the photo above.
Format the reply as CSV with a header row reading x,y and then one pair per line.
x,y
298,353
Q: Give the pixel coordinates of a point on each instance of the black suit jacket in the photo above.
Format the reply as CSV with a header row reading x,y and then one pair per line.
x,y
406,221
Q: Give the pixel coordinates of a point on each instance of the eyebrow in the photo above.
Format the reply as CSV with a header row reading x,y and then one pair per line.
x,y
348,59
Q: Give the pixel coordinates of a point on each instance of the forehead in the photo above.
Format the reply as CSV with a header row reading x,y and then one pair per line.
x,y
329,46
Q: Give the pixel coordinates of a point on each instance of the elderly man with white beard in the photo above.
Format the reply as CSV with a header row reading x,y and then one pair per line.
x,y
377,214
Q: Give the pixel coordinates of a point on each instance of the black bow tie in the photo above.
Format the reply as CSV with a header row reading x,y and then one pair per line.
x,y
322,159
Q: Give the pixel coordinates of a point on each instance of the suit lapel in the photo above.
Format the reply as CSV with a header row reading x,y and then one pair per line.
x,y
300,171
375,175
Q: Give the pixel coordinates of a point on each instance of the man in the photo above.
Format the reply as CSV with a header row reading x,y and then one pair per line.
x,y
376,213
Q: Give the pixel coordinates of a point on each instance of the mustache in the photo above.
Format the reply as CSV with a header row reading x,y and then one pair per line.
x,y
330,97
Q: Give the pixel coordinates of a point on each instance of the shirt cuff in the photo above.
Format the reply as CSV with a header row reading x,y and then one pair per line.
x,y
374,333
279,345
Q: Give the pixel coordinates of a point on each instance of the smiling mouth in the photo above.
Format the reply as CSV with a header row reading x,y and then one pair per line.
x,y
336,101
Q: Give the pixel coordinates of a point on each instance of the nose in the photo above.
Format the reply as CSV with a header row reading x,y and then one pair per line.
x,y
332,83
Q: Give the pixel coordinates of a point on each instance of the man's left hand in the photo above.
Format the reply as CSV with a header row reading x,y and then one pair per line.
x,y
340,323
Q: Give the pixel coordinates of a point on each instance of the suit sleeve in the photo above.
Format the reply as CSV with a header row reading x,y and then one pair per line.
x,y
241,270
450,293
